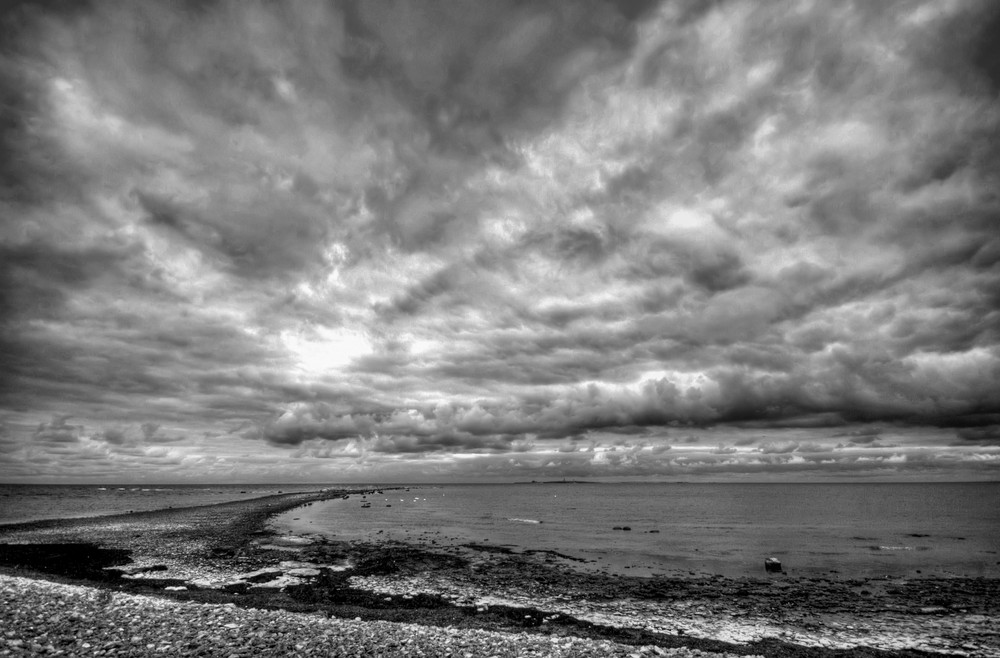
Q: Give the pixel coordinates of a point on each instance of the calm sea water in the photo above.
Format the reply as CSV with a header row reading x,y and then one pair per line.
x,y
34,502
832,530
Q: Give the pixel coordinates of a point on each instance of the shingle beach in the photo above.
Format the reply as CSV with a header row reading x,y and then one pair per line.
x,y
56,619
213,581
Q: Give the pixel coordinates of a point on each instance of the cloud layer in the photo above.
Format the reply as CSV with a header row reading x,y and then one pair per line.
x,y
432,240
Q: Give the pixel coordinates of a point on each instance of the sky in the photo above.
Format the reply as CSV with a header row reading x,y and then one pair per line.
x,y
499,241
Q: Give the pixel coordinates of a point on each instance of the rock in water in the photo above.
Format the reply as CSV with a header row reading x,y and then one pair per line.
x,y
772,565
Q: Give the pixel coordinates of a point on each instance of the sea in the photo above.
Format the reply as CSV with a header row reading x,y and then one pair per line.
x,y
828,530
843,531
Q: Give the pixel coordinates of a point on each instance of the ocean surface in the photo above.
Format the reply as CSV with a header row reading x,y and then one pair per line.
x,y
817,530
21,502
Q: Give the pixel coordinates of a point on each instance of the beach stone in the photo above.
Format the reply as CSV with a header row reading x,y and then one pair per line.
x,y
282,581
204,583
133,570
303,572
293,540
276,547
260,575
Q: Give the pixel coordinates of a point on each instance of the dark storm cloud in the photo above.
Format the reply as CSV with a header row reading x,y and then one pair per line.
x,y
103,357
862,434
264,239
114,436
36,278
383,235
471,70
58,431
986,436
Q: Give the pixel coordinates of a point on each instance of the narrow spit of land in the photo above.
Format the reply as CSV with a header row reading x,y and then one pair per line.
x,y
214,580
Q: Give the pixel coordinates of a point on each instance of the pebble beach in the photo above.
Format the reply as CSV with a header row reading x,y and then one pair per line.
x,y
57,619
216,581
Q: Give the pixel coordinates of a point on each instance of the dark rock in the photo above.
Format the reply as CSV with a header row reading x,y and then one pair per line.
x,y
772,565
82,560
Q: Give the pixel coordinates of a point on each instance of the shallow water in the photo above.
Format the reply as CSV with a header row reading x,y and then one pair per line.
x,y
20,502
839,530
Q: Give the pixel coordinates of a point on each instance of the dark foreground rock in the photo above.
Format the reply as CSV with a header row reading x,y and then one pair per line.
x,y
76,560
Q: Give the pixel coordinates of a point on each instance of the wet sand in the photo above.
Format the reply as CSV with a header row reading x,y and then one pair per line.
x,y
225,555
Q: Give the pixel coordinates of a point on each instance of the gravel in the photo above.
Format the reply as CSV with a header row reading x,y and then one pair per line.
x,y
45,618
